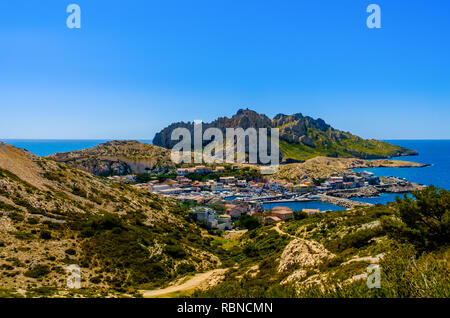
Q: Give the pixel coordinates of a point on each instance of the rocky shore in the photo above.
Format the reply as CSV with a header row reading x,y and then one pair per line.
x,y
343,202
374,191
325,167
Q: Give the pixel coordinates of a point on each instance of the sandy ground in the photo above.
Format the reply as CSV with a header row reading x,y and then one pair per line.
x,y
201,280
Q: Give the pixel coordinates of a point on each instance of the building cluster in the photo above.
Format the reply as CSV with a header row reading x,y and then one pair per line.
x,y
239,196
349,181
282,213
211,218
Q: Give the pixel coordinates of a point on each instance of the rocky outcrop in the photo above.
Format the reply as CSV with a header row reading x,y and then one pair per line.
x,y
303,136
119,158
244,118
300,253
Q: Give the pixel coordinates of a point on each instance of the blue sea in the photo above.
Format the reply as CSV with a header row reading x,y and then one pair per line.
x,y
382,198
433,152
47,147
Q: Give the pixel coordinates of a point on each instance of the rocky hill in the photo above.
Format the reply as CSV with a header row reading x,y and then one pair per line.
x,y
301,137
53,215
119,158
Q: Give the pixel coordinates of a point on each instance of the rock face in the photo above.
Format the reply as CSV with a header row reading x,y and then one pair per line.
x,y
301,137
119,158
300,253
244,118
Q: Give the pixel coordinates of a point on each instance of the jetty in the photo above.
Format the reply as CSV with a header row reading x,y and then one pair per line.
x,y
343,202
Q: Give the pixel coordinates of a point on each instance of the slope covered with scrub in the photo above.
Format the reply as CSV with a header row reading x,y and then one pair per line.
x,y
53,215
332,254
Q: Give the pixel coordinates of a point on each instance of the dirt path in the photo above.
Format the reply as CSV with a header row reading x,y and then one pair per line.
x,y
197,281
277,228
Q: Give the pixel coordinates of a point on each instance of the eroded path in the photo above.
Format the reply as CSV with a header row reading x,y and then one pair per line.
x,y
197,281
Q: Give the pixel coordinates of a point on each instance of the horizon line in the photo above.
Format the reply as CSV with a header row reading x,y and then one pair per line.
x,y
137,139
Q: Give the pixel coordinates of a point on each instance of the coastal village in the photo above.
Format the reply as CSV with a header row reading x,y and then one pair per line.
x,y
218,201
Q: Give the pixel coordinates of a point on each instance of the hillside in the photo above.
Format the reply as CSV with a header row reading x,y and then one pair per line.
x,y
332,254
301,137
119,158
129,242
324,167
53,215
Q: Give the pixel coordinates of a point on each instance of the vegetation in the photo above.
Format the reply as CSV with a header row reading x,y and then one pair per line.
x,y
423,221
248,222
350,146
126,240
411,266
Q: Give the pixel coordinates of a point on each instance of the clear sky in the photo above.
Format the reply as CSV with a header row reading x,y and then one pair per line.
x,y
136,66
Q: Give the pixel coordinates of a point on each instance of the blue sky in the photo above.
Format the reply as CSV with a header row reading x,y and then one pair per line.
x,y
136,66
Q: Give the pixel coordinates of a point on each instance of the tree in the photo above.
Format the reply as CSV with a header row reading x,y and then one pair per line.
x,y
423,221
248,222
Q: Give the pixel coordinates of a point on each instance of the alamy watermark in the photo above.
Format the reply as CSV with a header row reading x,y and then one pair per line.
x,y
253,146
74,278
73,21
374,277
374,19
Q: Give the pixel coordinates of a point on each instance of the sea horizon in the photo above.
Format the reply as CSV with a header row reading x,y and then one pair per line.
x,y
435,152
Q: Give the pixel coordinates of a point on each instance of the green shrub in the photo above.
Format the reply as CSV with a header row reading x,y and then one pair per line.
x,y
38,271
45,235
175,251
248,222
424,222
70,251
16,216
300,215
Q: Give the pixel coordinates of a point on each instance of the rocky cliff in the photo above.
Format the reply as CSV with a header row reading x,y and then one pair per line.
x,y
301,137
119,158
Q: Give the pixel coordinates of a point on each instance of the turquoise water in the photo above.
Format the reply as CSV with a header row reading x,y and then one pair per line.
x,y
382,199
433,152
297,206
47,147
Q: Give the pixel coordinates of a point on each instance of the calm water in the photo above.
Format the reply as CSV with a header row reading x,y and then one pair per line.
x,y
46,147
296,206
382,199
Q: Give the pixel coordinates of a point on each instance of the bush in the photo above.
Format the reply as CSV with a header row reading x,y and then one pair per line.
x,y
356,240
424,222
79,192
248,222
70,251
45,235
175,251
16,216
184,268
300,215
37,271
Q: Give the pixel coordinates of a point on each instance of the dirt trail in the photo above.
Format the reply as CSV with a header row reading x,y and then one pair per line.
x,y
197,281
277,228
